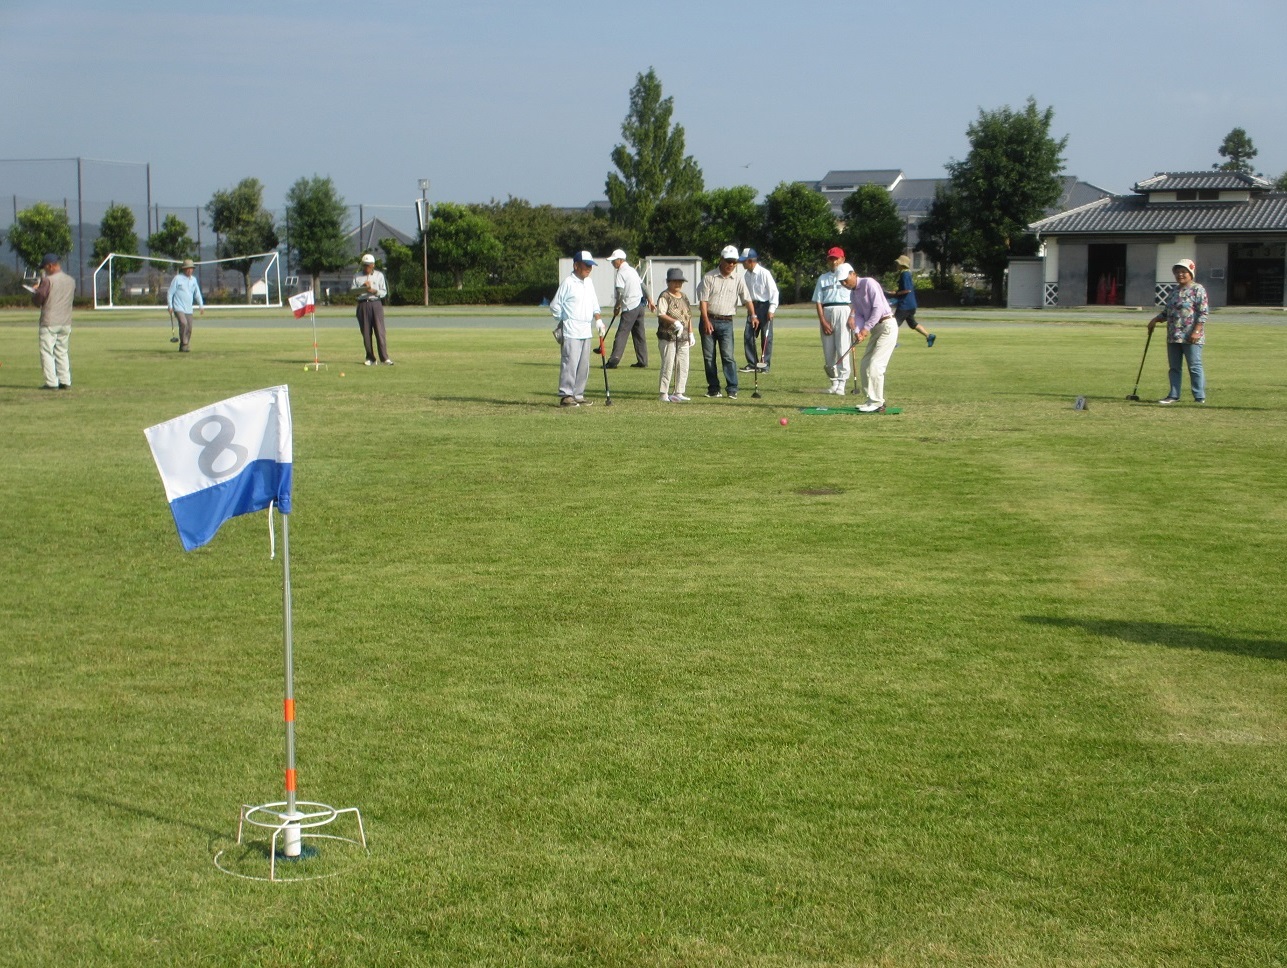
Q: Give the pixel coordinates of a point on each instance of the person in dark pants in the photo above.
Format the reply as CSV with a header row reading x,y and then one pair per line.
x,y
719,295
764,293
903,300
372,290
631,301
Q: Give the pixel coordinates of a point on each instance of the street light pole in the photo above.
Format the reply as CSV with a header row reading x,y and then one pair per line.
x,y
424,224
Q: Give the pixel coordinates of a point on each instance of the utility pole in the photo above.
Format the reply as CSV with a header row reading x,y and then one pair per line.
x,y
424,224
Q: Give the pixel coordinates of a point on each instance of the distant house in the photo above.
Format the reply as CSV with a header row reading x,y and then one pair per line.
x,y
914,196
1119,250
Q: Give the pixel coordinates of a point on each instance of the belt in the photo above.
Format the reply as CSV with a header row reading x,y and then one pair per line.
x,y
836,304
722,319
369,299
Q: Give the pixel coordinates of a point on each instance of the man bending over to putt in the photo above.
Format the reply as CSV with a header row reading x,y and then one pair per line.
x,y
872,322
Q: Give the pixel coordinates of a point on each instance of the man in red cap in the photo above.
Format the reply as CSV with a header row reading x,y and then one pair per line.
x,y
831,300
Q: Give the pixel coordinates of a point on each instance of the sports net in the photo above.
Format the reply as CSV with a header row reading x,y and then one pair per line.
x,y
134,281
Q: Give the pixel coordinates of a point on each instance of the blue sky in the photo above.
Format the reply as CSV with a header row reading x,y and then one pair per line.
x,y
489,98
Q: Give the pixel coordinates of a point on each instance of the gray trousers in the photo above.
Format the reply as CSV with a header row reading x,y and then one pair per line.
x,y
574,367
632,326
184,321
370,316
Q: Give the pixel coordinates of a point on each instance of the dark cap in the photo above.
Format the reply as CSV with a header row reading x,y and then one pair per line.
x,y
50,259
675,274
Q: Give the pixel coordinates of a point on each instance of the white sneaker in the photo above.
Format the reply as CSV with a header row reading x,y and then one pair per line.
x,y
664,398
1169,400
679,398
871,408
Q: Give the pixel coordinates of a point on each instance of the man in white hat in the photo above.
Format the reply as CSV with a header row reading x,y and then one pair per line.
x,y
764,293
872,322
576,307
631,301
372,291
183,293
719,295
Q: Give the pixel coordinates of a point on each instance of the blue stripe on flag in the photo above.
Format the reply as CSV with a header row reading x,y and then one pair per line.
x,y
199,515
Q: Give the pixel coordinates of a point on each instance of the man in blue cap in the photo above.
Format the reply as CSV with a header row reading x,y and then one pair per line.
x,y
759,324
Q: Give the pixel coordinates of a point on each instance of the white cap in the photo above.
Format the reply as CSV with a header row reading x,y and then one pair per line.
x,y
617,254
844,271
729,252
368,259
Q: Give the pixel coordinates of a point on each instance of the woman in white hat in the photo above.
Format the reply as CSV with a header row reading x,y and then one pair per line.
x,y
1185,314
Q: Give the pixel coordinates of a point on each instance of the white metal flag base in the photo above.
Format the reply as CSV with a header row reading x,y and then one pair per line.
x,y
291,829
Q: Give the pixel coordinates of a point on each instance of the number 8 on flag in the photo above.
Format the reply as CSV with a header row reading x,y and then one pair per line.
x,y
227,459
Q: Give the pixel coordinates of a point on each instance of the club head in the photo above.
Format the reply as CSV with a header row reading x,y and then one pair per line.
x,y
174,339
608,402
598,351
756,395
1133,396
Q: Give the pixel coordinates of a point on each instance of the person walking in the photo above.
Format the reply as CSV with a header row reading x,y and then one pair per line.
x,y
54,294
576,307
903,300
674,337
764,294
831,302
871,321
631,301
372,290
1185,313
184,293
720,293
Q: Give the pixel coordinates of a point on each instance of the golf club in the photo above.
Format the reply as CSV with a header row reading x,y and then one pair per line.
x,y
599,349
173,337
607,393
759,364
853,369
1135,394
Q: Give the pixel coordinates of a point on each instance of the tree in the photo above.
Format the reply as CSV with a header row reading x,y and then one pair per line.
x,y
172,239
459,240
874,235
38,230
1281,183
528,237
729,216
1239,151
798,227
238,216
1008,180
318,220
116,234
591,230
940,235
652,168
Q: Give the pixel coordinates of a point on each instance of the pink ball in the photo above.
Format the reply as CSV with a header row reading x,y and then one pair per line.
x,y
783,421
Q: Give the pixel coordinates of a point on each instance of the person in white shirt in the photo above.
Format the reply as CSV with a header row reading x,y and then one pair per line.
x,y
631,301
831,301
372,290
576,307
184,293
759,324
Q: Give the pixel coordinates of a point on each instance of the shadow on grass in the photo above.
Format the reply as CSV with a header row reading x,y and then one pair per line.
x,y
107,803
1172,635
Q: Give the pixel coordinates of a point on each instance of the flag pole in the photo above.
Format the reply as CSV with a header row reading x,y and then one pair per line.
x,y
317,364
292,846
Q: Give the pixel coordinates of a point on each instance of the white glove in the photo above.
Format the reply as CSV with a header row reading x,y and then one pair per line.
x,y
600,328
692,339
679,328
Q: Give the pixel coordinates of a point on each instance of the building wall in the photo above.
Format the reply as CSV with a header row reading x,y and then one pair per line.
x,y
1141,273
1072,273
1026,283
1213,271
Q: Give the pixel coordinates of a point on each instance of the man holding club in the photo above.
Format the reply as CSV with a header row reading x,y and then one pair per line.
x,y
719,295
631,301
576,307
54,294
185,292
872,322
764,294
831,301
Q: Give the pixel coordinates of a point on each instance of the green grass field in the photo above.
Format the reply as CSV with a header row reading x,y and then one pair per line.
x,y
990,682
